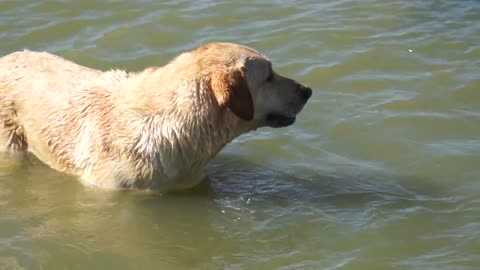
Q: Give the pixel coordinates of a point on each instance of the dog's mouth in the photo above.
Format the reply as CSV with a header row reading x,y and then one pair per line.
x,y
277,120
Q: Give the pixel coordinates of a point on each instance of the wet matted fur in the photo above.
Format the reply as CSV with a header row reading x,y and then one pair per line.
x,y
154,129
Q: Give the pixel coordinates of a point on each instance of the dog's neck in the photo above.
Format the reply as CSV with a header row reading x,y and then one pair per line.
x,y
178,129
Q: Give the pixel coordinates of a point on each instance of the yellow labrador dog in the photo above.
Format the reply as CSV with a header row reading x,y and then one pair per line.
x,y
156,129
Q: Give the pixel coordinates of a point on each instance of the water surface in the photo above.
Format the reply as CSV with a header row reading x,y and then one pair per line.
x,y
381,170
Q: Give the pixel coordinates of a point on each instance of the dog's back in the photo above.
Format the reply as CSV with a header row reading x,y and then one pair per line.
x,y
34,86
69,116
21,74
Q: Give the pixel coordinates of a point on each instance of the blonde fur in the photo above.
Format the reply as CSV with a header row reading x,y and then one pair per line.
x,y
155,129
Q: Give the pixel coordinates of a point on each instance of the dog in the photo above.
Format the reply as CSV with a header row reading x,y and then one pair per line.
x,y
155,129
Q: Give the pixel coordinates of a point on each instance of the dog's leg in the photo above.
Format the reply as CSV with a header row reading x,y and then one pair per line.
x,y
13,143
12,136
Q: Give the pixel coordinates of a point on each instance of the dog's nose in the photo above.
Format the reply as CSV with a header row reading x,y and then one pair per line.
x,y
306,93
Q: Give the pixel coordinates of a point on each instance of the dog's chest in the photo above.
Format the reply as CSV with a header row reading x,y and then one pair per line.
x,y
179,151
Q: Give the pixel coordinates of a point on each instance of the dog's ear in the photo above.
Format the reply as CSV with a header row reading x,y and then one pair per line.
x,y
231,90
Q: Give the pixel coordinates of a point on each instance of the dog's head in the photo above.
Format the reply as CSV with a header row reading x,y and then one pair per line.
x,y
243,81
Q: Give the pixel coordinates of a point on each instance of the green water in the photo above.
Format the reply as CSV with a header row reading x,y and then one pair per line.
x,y
381,171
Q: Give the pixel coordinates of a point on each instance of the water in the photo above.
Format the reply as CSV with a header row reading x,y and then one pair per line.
x,y
381,171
